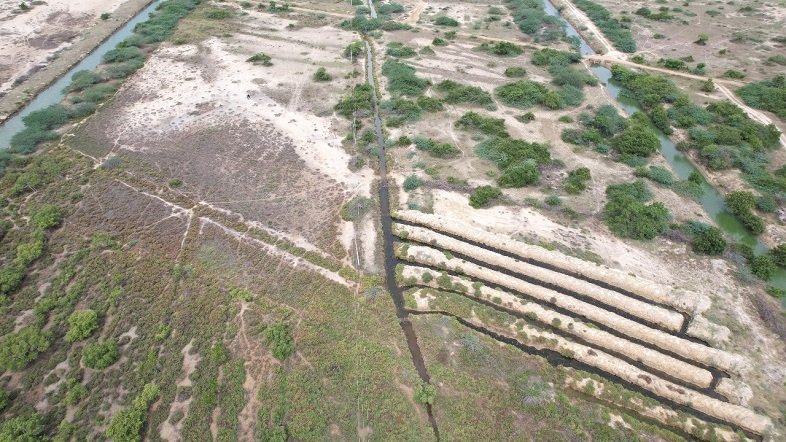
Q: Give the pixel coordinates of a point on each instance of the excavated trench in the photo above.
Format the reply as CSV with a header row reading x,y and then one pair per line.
x,y
687,317
584,298
396,292
708,391
717,374
556,359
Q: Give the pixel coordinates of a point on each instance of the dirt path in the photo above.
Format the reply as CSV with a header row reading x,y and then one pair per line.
x,y
414,16
590,25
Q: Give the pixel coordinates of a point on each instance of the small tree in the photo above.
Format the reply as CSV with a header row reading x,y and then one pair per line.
x,y
425,393
83,323
708,86
280,341
763,267
778,254
45,217
710,242
483,195
703,38
321,75
100,355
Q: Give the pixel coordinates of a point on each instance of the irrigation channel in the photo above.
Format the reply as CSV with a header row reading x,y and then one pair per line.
x,y
711,200
54,93
396,292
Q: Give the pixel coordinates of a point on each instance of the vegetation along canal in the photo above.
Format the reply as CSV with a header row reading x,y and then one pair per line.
x,y
54,93
711,200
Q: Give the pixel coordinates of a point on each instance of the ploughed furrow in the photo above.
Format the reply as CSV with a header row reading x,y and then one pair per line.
x,y
612,279
663,365
653,315
689,350
598,361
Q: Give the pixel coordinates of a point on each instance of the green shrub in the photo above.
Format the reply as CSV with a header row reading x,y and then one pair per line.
x,y
636,139
218,13
402,80
100,355
25,428
524,94
50,117
710,241
279,340
356,208
563,75
322,75
731,73
619,35
430,104
390,8
522,174
123,70
769,95
435,148
359,102
18,349
398,50
532,19
577,179
83,79
505,152
83,323
778,254
439,42
502,48
412,182
483,195
553,200
554,57
628,216
99,92
126,425
763,267
515,72
425,393
354,50
361,23
260,58
45,217
26,140
122,54
460,93
444,20
485,125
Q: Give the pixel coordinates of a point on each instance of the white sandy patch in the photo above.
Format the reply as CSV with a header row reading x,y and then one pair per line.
x,y
180,95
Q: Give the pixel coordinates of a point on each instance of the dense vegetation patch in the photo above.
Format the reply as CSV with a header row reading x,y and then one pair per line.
x,y
444,20
485,125
483,196
769,95
501,48
436,148
524,94
532,20
611,27
627,214
399,50
577,180
460,93
358,103
741,204
402,80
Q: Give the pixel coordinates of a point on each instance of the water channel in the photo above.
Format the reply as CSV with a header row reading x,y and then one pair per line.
x,y
54,93
711,200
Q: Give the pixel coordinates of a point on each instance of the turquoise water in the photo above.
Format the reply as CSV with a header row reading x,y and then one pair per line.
x,y
711,200
54,93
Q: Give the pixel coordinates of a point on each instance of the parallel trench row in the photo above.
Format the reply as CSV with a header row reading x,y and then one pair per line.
x,y
694,389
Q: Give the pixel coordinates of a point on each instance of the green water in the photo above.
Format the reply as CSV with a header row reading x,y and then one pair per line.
x,y
711,200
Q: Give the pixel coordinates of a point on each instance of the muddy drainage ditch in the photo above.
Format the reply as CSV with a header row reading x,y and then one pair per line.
x,y
396,292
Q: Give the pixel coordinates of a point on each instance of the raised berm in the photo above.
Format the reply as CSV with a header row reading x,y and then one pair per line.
x,y
645,335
